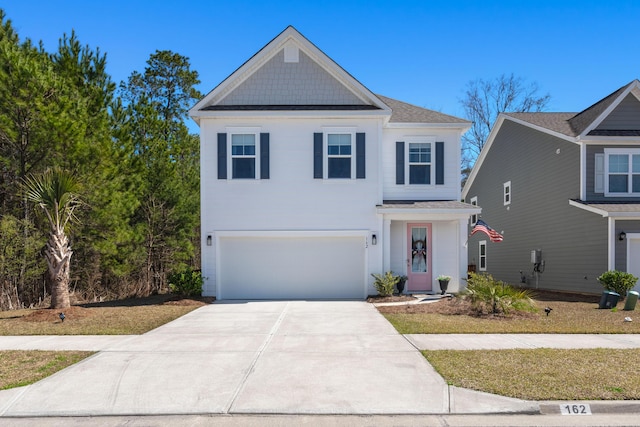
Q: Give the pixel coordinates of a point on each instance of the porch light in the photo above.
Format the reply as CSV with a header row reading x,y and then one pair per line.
x,y
209,240
622,235
374,239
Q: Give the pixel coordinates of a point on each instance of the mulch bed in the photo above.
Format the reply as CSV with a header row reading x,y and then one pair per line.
x,y
459,306
87,310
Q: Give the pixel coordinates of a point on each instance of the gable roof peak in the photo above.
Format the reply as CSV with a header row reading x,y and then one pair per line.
x,y
292,47
588,118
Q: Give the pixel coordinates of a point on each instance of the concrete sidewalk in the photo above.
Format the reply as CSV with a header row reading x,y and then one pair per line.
x,y
509,341
277,357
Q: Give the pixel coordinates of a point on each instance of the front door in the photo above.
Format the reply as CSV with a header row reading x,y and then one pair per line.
x,y
419,257
633,256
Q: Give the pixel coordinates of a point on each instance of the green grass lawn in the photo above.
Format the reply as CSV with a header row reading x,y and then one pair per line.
x,y
538,374
543,374
127,317
565,318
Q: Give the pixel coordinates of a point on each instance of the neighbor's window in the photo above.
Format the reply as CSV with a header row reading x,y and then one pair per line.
x,y
506,192
243,155
339,155
482,255
419,163
623,173
474,202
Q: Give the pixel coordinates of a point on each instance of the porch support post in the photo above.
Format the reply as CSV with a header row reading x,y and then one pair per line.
x,y
611,247
386,248
463,254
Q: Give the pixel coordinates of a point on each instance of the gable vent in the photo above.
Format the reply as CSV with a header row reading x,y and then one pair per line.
x,y
291,53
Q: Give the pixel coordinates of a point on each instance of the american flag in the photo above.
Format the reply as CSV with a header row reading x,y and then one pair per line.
x,y
484,228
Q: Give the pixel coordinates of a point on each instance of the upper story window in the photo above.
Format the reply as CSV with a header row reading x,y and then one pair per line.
x,y
622,172
474,202
339,155
506,193
243,155
419,163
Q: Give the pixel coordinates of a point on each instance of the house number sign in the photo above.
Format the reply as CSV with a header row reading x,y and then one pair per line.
x,y
575,409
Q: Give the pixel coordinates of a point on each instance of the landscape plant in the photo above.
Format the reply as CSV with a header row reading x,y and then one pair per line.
x,y
186,282
55,194
619,282
384,283
488,295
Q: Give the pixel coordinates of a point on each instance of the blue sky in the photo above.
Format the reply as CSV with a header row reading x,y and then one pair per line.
x,y
422,52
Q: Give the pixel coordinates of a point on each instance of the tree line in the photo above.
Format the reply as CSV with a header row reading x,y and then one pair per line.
x,y
130,151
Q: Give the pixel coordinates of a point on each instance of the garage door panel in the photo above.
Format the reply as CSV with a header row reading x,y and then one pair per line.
x,y
289,268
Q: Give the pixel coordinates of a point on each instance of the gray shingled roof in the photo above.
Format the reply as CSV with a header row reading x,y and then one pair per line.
x,y
613,208
557,122
570,124
407,113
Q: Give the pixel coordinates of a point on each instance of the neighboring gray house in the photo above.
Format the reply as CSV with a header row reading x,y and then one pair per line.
x,y
564,190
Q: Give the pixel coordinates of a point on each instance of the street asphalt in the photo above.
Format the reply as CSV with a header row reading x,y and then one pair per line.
x,y
311,358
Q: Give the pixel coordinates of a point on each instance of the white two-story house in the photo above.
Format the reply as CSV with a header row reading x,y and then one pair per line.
x,y
310,183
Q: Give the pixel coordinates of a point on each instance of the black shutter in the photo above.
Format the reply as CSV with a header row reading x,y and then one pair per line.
x,y
264,156
222,156
399,162
439,163
317,155
360,156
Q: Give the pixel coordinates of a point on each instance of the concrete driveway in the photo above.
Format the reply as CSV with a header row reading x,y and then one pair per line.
x,y
281,357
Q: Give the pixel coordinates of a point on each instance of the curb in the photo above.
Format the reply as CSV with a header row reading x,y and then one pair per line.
x,y
589,407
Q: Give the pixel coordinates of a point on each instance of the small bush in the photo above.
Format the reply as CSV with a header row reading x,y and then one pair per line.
x,y
618,281
488,295
384,284
186,283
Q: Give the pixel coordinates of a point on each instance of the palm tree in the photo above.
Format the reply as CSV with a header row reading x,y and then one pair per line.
x,y
54,191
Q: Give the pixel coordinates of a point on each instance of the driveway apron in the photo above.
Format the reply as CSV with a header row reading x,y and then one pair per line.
x,y
286,357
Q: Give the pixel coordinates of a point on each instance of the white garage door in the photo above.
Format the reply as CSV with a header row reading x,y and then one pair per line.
x,y
291,267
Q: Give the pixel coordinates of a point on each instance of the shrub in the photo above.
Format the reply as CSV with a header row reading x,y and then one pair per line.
x,y
186,283
384,284
488,295
618,281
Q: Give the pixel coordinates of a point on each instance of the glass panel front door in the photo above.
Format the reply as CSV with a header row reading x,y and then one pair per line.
x,y
419,257
418,249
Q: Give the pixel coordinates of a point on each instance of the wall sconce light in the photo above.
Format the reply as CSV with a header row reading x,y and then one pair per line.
x,y
374,239
622,235
209,240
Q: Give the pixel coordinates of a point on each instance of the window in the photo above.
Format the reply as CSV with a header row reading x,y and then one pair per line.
x,y
474,202
419,163
622,171
339,155
506,193
243,156
421,159
482,255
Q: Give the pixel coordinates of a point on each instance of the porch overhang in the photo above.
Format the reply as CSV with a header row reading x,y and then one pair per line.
x,y
615,210
427,209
